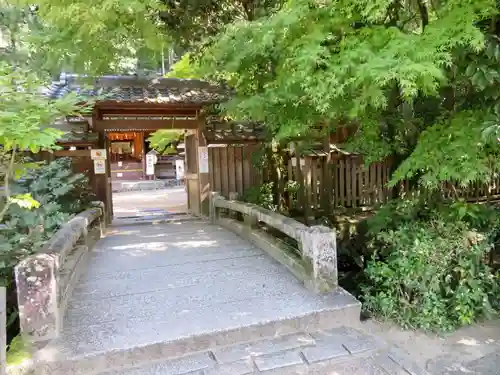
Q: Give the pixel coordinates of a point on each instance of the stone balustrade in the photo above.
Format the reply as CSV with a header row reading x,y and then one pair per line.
x,y
46,279
317,264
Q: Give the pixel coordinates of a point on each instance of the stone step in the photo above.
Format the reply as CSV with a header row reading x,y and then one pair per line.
x,y
147,340
340,351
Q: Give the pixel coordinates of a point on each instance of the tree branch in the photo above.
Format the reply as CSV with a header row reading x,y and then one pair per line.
x,y
424,14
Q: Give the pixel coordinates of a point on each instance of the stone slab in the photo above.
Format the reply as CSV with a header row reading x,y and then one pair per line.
x,y
487,365
402,359
187,320
353,341
273,361
324,351
138,259
161,305
237,352
190,364
242,367
276,362
178,276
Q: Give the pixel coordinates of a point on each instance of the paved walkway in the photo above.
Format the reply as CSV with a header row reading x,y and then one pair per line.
x,y
149,204
180,298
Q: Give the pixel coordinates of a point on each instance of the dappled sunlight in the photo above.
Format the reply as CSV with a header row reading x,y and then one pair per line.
x,y
468,342
150,246
194,244
169,234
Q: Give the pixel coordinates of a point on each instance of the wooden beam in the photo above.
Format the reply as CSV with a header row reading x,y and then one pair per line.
x,y
147,105
227,141
144,125
74,154
140,111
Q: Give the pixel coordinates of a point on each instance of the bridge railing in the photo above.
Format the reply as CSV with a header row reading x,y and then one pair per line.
x,y
315,263
46,279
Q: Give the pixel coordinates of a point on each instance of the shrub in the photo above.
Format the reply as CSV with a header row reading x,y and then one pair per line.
x,y
429,270
260,195
61,194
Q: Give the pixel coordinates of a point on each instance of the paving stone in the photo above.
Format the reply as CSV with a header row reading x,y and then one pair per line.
x,y
389,366
237,352
487,365
324,350
242,367
354,341
182,366
277,360
403,359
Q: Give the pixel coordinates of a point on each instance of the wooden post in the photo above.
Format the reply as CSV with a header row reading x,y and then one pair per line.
x,y
302,191
307,190
326,188
101,180
203,175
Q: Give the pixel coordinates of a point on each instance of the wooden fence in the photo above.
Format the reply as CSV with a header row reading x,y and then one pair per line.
x,y
352,184
231,169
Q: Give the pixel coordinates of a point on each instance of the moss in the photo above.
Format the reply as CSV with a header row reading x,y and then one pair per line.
x,y
18,351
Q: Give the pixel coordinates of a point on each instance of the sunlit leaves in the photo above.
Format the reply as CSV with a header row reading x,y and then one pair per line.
x,y
452,150
25,114
165,140
96,36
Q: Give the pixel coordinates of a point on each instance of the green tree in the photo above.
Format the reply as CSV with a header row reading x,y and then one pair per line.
x,y
191,23
24,116
396,71
165,141
94,37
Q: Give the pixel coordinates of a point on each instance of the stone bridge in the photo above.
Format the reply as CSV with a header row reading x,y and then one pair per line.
x,y
197,297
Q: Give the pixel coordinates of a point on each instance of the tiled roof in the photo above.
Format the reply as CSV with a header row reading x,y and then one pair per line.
x,y
74,132
138,89
219,131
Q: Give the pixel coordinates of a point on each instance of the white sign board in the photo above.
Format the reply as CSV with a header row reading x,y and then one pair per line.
x,y
203,156
179,169
99,166
150,164
99,154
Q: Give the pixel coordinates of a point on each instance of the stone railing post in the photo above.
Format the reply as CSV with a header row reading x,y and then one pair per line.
x,y
3,331
214,211
319,251
36,281
233,197
250,221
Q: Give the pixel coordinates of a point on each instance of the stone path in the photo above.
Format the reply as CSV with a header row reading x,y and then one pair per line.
x,y
335,352
149,204
179,297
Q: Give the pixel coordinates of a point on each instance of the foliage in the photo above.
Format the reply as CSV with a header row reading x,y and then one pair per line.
x,y
193,22
401,73
94,37
61,194
185,68
461,156
24,116
18,351
430,267
165,141
261,195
